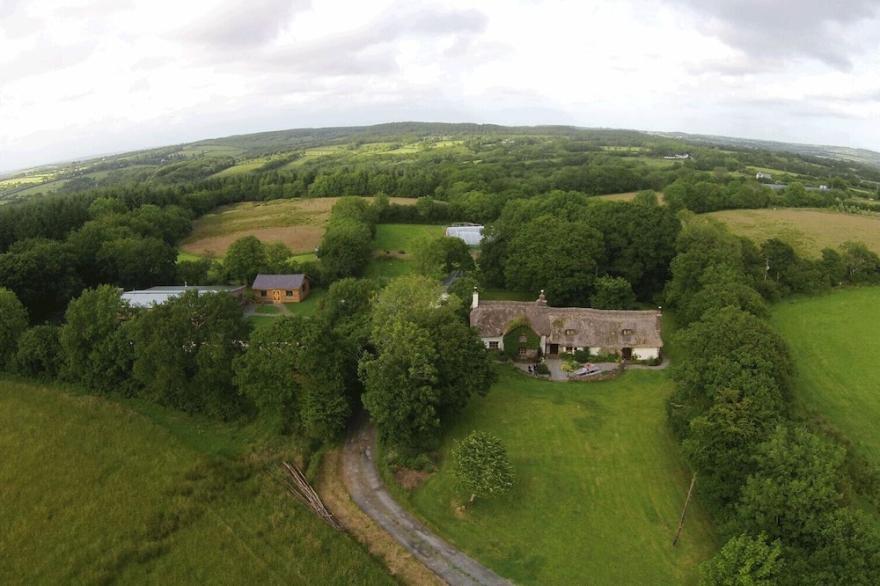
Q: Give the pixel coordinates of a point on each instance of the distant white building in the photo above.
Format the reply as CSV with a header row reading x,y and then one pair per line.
x,y
761,175
677,157
160,295
472,234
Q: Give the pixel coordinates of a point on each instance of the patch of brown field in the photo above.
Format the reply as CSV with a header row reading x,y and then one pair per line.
x,y
299,223
410,479
628,196
400,563
298,239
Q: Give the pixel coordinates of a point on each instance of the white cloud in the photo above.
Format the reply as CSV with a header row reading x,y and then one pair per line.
x,y
79,77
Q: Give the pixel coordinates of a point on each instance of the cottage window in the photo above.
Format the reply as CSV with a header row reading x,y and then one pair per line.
x,y
570,332
627,332
493,345
522,351
289,293
569,349
262,293
523,339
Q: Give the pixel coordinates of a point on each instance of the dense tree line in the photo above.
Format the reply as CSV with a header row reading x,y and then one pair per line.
x,y
777,487
564,242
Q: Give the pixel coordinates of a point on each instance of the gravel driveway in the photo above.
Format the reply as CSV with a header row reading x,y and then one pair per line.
x,y
367,490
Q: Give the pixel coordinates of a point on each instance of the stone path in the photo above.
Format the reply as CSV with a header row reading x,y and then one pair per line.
x,y
367,490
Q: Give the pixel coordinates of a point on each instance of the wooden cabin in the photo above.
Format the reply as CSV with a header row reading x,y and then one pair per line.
x,y
281,288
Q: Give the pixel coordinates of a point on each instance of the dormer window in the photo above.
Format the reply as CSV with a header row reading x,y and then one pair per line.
x,y
523,339
570,332
626,332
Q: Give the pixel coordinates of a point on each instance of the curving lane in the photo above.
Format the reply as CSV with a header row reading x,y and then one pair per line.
x,y
363,483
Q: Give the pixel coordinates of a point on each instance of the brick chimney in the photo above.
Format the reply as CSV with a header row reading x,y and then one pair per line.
x,y
541,299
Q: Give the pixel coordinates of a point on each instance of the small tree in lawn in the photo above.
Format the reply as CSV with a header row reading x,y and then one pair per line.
x,y
481,465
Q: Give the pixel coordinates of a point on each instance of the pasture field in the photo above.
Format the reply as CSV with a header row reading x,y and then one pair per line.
x,y
834,342
242,167
808,231
598,485
298,223
99,491
628,196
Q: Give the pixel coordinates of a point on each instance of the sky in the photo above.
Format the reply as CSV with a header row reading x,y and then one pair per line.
x,y
90,77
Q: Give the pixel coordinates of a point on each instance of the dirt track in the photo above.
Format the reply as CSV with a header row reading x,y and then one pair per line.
x,y
366,489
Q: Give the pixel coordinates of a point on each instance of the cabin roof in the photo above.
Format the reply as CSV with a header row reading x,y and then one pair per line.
x,y
289,282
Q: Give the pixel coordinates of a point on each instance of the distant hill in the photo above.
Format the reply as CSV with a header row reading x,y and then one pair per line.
x,y
401,145
840,153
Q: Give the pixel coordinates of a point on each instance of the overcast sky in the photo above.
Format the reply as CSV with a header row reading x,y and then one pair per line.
x,y
85,77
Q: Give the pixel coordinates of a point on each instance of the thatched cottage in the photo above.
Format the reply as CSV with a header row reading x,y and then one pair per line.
x,y
536,328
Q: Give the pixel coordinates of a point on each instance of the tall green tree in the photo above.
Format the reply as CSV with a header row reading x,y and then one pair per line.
x,y
13,322
39,352
245,258
94,339
438,257
612,293
559,256
345,249
426,365
293,371
745,561
184,351
729,349
797,482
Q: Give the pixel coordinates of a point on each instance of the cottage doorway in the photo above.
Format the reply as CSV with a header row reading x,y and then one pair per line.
x,y
627,353
554,349
276,296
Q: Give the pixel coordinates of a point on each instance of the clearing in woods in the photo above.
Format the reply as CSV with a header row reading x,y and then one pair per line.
x,y
97,492
598,491
808,231
834,343
298,223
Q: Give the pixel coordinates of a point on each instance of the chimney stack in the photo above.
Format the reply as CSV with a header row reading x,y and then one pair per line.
x,y
475,301
541,299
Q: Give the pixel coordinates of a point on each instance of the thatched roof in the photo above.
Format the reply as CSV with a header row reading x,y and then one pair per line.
x,y
570,326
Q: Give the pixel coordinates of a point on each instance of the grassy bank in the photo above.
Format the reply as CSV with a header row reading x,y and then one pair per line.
x,y
97,491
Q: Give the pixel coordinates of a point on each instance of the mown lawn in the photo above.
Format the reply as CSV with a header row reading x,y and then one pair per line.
x,y
598,492
400,238
309,306
385,268
97,491
834,341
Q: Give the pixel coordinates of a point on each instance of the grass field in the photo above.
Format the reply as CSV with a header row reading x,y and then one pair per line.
x,y
382,267
298,223
400,238
834,341
95,491
598,491
628,196
808,231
